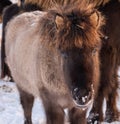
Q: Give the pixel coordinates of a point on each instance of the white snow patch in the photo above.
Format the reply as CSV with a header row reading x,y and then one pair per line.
x,y
14,1
10,108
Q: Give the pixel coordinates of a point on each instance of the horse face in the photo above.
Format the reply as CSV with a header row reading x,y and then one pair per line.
x,y
79,47
79,67
74,36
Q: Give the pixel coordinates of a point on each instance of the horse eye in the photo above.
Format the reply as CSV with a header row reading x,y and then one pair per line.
x,y
64,55
94,51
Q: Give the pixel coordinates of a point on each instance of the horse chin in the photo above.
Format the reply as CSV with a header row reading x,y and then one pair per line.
x,y
85,101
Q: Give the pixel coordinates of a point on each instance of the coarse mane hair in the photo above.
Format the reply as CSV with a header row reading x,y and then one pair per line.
x,y
46,4
77,26
99,2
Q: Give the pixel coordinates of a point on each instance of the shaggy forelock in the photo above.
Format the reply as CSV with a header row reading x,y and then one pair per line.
x,y
71,34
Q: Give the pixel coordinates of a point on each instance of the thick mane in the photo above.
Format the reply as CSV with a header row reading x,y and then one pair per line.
x,y
77,28
46,4
99,2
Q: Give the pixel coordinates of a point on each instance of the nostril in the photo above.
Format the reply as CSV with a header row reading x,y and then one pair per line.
x,y
81,96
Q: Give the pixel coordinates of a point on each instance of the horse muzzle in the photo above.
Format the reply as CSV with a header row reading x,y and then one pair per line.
x,y
81,98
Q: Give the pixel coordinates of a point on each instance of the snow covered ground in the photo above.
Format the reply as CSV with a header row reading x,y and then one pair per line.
x,y
10,108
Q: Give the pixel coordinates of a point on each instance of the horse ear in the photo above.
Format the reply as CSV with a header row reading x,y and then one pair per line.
x,y
96,17
59,21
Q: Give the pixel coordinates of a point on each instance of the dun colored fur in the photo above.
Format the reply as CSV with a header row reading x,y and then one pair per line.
x,y
9,13
55,55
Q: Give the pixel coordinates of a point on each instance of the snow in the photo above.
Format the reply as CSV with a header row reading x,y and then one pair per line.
x,y
10,108
14,1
